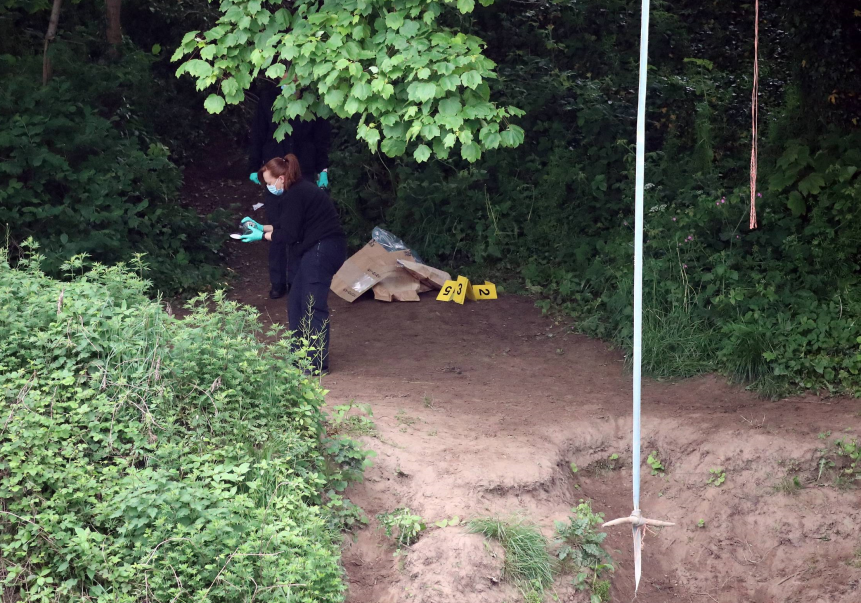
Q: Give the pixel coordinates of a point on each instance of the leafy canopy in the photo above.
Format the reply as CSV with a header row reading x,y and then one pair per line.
x,y
413,82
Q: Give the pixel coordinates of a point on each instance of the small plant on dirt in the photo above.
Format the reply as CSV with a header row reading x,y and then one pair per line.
x,y
527,563
845,458
789,485
404,419
716,477
849,452
361,423
535,595
343,514
824,435
603,466
428,402
347,460
701,523
580,547
824,465
655,463
600,591
444,523
402,526
574,468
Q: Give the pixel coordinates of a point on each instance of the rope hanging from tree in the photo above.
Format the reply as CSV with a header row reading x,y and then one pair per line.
x,y
754,110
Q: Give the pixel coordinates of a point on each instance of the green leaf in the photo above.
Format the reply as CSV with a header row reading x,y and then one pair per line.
x,y
465,6
471,79
450,106
492,141
812,184
353,105
208,52
276,71
513,136
449,83
361,90
421,91
156,49
394,20
198,68
796,204
214,104
430,131
410,28
373,138
439,149
422,153
393,147
471,152
335,98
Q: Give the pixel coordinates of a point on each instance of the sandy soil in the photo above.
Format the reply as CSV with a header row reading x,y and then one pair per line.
x,y
481,409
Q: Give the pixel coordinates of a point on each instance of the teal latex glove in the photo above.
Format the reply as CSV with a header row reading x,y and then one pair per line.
x,y
252,223
254,178
254,235
323,180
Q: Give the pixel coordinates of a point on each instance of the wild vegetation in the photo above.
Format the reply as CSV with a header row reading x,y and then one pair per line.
x,y
146,457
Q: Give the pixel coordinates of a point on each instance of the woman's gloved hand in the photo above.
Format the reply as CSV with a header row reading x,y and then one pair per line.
x,y
246,221
252,236
323,180
254,178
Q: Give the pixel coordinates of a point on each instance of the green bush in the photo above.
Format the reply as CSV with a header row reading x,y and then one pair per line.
x,y
144,457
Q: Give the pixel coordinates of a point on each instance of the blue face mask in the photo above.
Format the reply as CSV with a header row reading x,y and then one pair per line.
x,y
275,191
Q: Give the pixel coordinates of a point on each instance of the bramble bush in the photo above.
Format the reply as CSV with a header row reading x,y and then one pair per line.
x,y
146,457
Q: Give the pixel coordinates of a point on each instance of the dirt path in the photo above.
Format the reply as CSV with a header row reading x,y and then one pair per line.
x,y
481,409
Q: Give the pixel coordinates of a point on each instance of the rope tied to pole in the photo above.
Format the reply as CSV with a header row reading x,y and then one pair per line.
x,y
754,115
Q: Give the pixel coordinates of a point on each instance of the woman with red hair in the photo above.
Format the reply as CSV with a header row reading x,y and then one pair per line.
x,y
316,246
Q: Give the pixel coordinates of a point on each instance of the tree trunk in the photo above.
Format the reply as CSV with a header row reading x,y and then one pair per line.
x,y
49,37
115,29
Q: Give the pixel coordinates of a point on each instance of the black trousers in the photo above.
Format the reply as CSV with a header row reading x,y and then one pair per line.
x,y
308,298
277,251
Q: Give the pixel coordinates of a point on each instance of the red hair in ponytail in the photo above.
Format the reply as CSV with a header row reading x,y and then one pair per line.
x,y
287,166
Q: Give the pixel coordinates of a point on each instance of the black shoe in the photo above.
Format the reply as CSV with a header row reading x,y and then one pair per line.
x,y
277,293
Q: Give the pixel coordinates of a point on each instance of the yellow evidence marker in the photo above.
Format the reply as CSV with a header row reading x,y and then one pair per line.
x,y
447,291
485,291
460,290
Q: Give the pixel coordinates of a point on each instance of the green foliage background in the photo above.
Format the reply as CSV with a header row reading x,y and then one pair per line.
x,y
777,306
90,163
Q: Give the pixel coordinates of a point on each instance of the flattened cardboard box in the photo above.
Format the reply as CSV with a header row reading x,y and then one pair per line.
x,y
370,265
399,285
430,278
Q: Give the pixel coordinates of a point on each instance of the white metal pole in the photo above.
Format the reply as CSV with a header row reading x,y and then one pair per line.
x,y
638,246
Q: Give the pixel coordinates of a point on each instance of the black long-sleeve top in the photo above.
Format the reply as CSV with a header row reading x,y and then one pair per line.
x,y
309,140
308,215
